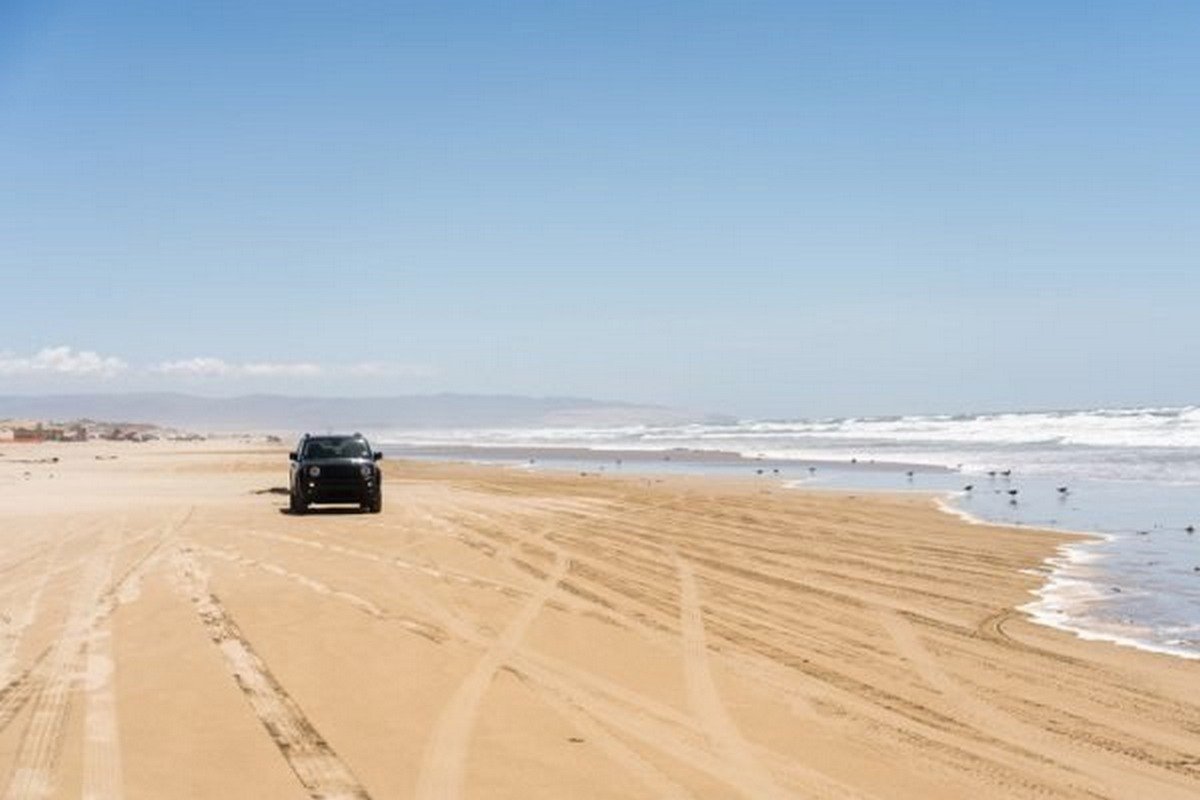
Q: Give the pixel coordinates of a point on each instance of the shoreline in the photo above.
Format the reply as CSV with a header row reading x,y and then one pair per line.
x,y
1066,556
1060,589
1059,582
639,456
560,636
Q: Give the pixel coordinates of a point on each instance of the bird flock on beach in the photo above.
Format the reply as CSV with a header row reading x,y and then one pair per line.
x,y
995,476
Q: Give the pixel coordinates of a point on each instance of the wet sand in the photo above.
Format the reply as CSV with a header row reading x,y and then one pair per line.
x,y
166,631
673,460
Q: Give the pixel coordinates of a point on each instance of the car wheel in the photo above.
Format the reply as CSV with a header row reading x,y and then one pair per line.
x,y
297,505
375,505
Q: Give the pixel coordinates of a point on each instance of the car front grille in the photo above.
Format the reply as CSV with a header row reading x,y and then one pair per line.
x,y
340,472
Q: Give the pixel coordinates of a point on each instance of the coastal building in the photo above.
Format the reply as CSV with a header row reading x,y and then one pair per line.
x,y
38,433
41,432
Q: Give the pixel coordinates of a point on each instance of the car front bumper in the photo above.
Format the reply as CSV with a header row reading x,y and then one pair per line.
x,y
316,490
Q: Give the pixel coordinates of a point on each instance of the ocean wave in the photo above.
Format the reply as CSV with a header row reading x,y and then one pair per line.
x,y
1132,474
1151,443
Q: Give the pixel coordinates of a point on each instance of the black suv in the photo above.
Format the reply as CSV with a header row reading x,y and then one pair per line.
x,y
335,469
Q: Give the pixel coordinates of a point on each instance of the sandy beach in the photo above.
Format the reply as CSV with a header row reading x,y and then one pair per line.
x,y
167,631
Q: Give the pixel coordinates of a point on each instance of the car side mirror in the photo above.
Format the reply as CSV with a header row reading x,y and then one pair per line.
x,y
292,455
377,456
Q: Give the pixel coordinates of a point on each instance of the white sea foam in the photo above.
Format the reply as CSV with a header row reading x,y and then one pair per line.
x,y
1072,590
1132,473
1061,604
1158,444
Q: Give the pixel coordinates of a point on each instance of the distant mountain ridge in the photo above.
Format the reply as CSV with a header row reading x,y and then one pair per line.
x,y
262,412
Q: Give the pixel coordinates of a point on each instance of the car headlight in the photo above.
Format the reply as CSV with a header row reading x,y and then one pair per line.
x,y
366,470
314,471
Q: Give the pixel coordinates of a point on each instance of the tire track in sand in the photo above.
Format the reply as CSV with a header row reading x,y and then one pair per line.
x,y
705,699
565,694
101,743
37,755
424,629
591,704
1090,774
102,774
585,700
19,621
22,688
388,559
319,769
443,768
52,677
594,705
552,685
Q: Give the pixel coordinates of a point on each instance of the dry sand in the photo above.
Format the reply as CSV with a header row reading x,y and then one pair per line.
x,y
168,633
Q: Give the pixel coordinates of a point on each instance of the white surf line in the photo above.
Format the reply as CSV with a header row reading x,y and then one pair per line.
x,y
319,769
705,698
32,776
1047,608
443,768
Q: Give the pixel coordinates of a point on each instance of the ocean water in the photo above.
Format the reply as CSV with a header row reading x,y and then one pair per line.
x,y
1130,475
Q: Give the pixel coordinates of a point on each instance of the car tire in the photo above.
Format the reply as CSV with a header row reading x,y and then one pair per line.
x,y
374,505
297,505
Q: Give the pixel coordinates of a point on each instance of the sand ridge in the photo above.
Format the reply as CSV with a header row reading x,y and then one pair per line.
x,y
168,632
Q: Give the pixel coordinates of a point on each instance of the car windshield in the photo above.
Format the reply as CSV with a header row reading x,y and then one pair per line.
x,y
336,447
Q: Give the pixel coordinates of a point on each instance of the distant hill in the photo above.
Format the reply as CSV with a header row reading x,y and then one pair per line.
x,y
284,413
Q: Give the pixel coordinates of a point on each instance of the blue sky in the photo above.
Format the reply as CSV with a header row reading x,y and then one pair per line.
x,y
779,209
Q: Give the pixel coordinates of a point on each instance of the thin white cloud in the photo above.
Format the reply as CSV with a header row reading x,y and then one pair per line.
x,y
62,360
67,361
201,366
209,367
387,369
289,370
